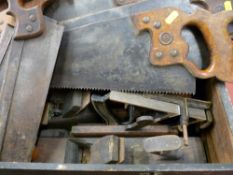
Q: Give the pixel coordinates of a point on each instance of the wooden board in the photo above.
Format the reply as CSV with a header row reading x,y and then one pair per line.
x,y
220,138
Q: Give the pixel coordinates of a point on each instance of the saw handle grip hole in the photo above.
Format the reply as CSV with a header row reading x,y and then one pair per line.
x,y
201,46
200,3
230,31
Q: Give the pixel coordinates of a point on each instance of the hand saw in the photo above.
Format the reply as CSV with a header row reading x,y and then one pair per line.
x,y
30,89
98,54
11,50
33,13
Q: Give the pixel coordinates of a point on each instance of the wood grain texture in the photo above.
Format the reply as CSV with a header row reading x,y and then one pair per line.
x,y
220,138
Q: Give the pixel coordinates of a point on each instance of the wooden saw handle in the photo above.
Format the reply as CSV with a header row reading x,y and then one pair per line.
x,y
29,17
169,48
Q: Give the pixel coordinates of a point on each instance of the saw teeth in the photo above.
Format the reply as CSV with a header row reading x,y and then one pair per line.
x,y
127,91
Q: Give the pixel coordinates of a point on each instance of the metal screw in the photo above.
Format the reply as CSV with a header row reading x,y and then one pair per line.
x,y
29,28
159,55
146,19
166,38
32,18
157,24
174,53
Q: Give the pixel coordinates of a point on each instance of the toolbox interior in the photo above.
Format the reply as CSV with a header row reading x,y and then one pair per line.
x,y
215,139
220,136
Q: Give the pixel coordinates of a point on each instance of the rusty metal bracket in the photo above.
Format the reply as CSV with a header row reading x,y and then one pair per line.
x,y
29,17
169,48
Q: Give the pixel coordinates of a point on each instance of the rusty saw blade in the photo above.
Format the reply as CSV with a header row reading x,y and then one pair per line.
x,y
110,56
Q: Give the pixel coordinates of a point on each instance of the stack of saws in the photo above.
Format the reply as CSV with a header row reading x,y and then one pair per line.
x,y
110,81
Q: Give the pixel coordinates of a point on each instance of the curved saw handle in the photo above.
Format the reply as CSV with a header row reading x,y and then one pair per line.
x,y
169,48
30,20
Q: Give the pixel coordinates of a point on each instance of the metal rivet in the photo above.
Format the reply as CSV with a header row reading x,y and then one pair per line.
x,y
166,38
32,18
174,53
29,28
146,19
157,24
159,55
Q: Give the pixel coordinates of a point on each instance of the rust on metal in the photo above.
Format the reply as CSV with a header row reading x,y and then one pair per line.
x,y
169,48
29,17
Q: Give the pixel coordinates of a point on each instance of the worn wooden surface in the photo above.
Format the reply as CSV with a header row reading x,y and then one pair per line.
x,y
120,130
220,138
51,150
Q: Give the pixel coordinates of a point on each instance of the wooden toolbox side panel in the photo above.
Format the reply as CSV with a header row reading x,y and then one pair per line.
x,y
220,138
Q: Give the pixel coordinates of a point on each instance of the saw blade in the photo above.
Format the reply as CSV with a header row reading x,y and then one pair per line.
x,y
63,10
104,56
98,55
91,58
124,11
30,68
